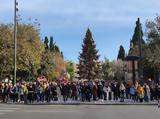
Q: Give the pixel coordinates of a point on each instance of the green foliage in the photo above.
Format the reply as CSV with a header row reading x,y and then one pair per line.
x,y
6,50
152,51
71,69
116,70
105,69
33,56
52,62
113,70
29,49
47,64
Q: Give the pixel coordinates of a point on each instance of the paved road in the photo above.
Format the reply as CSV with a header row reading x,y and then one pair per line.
x,y
78,112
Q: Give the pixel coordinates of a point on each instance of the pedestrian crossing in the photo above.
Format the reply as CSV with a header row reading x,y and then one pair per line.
x,y
6,110
2,113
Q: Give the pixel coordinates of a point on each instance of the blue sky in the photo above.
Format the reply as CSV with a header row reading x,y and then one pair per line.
x,y
112,22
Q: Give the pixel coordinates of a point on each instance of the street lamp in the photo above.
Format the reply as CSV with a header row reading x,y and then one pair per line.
x,y
15,39
140,51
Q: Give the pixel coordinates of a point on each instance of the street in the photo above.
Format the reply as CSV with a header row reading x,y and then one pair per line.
x,y
78,112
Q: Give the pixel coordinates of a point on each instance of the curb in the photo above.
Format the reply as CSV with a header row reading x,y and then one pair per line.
x,y
110,104
95,104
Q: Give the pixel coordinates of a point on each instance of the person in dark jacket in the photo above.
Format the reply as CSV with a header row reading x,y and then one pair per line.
x,y
88,92
15,93
100,91
74,91
5,93
157,91
64,91
30,93
115,89
94,91
82,92
47,93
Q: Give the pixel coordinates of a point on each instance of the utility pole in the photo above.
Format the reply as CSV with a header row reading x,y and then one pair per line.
x,y
140,51
15,39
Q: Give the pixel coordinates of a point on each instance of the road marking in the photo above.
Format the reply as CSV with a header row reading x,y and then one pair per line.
x,y
6,110
2,113
10,105
52,111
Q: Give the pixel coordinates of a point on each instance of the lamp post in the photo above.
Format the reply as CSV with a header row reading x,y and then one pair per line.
x,y
140,52
15,39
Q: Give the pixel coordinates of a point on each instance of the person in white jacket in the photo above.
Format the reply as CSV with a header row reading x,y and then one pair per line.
x,y
59,94
122,91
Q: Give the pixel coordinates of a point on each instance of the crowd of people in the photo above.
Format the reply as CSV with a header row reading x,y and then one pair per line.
x,y
85,91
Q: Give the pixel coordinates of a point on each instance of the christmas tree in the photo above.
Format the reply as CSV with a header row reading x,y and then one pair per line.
x,y
89,67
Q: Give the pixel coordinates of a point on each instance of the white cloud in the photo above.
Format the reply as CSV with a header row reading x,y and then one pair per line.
x,y
64,17
81,13
87,10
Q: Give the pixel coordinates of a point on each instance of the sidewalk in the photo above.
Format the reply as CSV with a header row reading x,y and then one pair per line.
x,y
126,102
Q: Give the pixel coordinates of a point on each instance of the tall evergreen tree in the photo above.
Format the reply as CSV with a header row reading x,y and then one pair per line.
x,y
134,48
57,49
52,45
121,54
46,42
89,67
